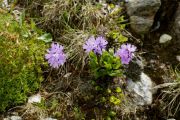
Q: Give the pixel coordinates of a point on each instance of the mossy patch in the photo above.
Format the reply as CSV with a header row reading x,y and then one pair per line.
x,y
20,62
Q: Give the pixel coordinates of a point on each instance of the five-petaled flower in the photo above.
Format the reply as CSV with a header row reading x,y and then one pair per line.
x,y
96,45
55,55
126,53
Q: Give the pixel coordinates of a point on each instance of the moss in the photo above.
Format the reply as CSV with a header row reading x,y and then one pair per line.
x,y
20,62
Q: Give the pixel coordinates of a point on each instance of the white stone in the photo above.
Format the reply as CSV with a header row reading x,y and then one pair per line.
x,y
6,119
15,118
178,23
35,99
165,38
5,3
178,58
142,90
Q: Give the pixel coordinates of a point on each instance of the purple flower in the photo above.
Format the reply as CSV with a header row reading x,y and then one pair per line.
x,y
96,45
100,44
126,53
55,55
90,44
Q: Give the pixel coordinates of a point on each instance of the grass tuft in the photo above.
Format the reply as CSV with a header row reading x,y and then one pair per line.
x,y
171,95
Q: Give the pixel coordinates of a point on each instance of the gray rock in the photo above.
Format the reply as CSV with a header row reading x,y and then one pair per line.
x,y
142,14
141,90
165,38
140,25
143,7
135,68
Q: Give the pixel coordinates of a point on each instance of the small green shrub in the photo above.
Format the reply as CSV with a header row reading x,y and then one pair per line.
x,y
105,65
20,63
104,68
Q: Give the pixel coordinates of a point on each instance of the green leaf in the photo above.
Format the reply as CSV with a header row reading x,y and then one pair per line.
x,y
98,88
112,99
22,18
93,56
108,90
34,28
45,37
108,118
122,38
103,99
118,90
117,101
115,73
93,61
107,65
112,113
117,64
25,32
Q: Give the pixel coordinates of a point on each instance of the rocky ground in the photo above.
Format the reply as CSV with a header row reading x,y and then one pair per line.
x,y
150,84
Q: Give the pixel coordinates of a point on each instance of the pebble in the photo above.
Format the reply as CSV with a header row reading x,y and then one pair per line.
x,y
15,118
165,38
178,58
35,99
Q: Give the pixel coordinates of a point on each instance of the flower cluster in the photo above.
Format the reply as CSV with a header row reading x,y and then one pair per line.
x,y
55,55
126,53
96,45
